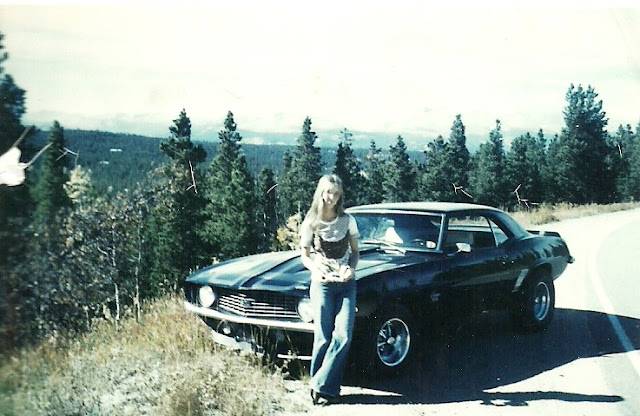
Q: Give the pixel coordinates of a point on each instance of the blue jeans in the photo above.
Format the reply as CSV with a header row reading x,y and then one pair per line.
x,y
334,312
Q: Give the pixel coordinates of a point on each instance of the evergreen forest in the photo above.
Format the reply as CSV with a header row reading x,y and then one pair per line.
x,y
105,222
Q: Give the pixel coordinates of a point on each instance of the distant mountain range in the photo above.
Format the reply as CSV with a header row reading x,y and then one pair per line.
x,y
331,138
119,160
326,138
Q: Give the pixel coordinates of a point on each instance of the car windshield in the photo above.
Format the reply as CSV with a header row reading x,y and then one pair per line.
x,y
406,231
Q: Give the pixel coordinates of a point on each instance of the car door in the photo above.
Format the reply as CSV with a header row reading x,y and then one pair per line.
x,y
509,270
475,277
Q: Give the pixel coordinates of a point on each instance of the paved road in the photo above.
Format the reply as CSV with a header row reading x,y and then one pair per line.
x,y
586,363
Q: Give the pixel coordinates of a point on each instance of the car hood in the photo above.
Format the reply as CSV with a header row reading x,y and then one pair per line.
x,y
284,271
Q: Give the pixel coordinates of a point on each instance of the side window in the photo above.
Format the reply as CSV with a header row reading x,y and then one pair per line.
x,y
470,229
476,230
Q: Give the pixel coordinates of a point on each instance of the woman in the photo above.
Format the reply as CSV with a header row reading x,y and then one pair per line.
x,y
329,242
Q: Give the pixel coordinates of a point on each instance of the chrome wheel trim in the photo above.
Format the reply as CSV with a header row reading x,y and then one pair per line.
x,y
393,342
541,301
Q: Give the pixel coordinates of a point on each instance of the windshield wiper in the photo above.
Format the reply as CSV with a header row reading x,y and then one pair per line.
x,y
385,244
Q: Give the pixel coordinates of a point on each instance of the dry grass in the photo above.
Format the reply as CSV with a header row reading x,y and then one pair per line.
x,y
545,214
165,365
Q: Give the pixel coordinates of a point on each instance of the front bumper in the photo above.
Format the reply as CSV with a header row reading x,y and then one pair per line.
x,y
283,339
266,323
297,352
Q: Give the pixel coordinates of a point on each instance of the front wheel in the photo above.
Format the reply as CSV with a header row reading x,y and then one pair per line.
x,y
390,342
535,306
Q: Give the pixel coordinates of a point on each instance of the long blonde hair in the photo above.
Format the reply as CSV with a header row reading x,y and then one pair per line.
x,y
325,182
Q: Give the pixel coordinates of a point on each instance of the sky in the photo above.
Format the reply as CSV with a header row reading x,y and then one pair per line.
x,y
390,68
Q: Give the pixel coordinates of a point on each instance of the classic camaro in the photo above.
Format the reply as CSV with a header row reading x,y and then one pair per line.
x,y
417,260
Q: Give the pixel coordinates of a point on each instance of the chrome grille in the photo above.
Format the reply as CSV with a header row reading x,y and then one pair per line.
x,y
266,305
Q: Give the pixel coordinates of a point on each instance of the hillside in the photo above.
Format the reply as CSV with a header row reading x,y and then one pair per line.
x,y
120,160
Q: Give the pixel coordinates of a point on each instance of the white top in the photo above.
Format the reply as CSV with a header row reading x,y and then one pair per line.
x,y
329,231
332,231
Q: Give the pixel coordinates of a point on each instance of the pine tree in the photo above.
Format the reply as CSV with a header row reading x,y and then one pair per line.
x,y
49,194
179,147
306,166
12,105
623,141
284,201
399,182
160,231
555,176
374,175
446,167
457,159
176,246
629,180
230,199
188,201
487,181
583,153
435,180
266,214
348,168
15,203
303,175
240,237
537,154
523,169
634,171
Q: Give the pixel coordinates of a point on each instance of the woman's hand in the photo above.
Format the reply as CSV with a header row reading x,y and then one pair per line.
x,y
346,273
320,272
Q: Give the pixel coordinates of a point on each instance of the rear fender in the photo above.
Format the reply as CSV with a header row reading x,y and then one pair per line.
x,y
543,268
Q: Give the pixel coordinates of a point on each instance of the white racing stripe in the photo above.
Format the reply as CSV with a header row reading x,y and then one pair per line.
x,y
596,280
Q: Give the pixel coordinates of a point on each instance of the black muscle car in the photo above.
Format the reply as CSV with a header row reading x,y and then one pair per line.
x,y
417,260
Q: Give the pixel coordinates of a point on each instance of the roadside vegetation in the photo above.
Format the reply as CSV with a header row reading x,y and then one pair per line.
x,y
548,213
166,364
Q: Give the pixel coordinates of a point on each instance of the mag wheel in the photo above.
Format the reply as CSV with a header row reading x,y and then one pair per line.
x,y
391,341
535,306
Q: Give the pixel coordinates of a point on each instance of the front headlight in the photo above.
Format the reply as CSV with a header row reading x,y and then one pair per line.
x,y
206,296
305,310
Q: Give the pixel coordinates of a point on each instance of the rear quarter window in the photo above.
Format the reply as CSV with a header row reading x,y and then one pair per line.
x,y
512,226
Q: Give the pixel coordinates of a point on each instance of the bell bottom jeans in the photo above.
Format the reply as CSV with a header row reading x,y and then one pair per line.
x,y
334,312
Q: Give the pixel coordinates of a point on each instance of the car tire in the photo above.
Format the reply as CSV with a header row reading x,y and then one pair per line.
x,y
390,341
534,307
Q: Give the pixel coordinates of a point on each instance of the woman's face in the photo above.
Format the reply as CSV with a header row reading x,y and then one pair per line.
x,y
331,196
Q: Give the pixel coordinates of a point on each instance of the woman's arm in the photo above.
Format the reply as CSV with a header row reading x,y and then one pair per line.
x,y
355,253
349,271
307,260
317,270
306,242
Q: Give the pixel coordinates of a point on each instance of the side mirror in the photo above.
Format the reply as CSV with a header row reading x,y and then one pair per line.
x,y
463,247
